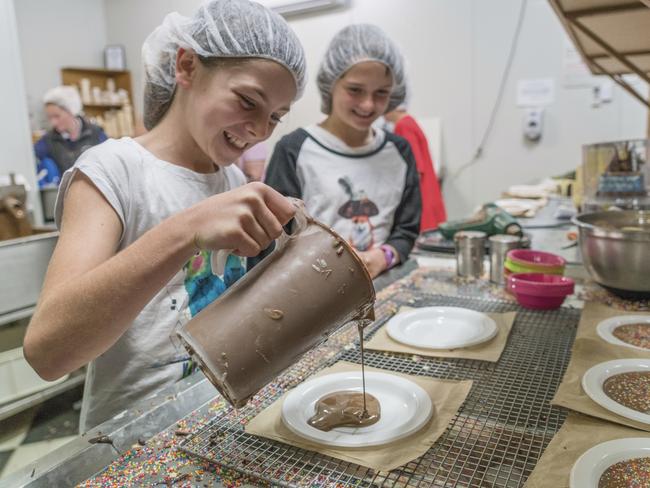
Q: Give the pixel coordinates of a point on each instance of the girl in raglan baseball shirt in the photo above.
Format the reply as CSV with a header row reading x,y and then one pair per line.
x,y
359,180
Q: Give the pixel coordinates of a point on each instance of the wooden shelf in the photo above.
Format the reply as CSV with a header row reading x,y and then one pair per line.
x,y
97,71
98,78
106,106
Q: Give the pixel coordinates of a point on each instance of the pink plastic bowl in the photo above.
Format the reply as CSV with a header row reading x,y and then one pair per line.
x,y
538,258
540,291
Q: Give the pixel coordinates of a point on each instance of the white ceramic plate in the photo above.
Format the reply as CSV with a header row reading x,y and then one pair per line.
x,y
593,379
441,327
519,207
589,467
405,408
606,329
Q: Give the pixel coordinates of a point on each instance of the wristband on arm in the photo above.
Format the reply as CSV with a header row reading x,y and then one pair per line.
x,y
389,255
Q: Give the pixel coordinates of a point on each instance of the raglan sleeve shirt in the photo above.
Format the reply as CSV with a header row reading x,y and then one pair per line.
x,y
311,165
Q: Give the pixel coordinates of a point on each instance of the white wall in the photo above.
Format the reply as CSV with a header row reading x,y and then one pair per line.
x,y
569,122
55,34
16,155
456,51
129,23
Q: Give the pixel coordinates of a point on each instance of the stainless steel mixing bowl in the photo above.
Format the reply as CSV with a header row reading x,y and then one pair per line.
x,y
615,248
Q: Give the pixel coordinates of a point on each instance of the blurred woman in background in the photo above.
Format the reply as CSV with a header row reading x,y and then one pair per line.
x,y
70,135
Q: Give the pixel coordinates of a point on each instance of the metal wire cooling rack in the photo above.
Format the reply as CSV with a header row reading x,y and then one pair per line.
x,y
494,440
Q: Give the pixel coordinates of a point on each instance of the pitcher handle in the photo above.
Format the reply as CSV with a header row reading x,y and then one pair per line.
x,y
301,219
219,258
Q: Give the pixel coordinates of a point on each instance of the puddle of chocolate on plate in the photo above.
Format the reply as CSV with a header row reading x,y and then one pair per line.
x,y
637,334
625,474
347,408
631,390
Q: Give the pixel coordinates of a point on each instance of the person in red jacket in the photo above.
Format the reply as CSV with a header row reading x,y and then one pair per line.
x,y
433,206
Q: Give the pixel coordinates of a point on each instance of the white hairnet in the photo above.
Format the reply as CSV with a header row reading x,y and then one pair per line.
x,y
355,44
406,102
66,97
219,29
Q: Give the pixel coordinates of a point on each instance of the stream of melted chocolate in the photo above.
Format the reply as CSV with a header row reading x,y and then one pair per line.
x,y
363,371
347,408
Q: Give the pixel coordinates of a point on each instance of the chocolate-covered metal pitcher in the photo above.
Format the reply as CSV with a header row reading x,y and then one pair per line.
x,y
312,284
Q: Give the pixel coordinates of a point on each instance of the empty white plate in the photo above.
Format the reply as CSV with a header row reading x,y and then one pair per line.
x,y
589,467
595,377
441,327
405,408
606,329
518,207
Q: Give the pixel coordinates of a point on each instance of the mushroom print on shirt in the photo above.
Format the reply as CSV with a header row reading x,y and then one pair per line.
x,y
359,208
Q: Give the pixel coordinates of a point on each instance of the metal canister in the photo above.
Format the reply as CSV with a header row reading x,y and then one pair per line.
x,y
470,250
500,244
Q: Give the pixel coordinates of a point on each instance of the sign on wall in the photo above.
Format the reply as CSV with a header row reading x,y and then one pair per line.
x,y
535,92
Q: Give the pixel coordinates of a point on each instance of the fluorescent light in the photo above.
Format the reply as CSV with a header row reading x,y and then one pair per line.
x,y
293,7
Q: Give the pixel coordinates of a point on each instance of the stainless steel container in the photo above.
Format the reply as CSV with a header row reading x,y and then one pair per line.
x,y
48,198
615,248
500,244
23,263
470,250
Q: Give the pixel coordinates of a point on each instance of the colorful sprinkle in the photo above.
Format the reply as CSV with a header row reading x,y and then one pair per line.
x,y
633,473
635,334
631,390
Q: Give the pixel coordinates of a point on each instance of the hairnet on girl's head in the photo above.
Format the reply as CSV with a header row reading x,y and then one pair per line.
x,y
66,97
355,44
408,93
219,29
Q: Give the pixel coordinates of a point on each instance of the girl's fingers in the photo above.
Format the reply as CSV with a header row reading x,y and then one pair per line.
x,y
279,205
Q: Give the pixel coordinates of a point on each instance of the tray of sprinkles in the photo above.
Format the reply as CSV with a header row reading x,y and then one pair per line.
x,y
621,463
626,330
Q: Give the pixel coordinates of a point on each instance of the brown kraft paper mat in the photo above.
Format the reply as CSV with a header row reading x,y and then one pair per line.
x,y
446,396
487,351
593,314
589,350
578,434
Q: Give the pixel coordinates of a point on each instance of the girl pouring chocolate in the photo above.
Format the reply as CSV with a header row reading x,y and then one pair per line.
x,y
140,217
